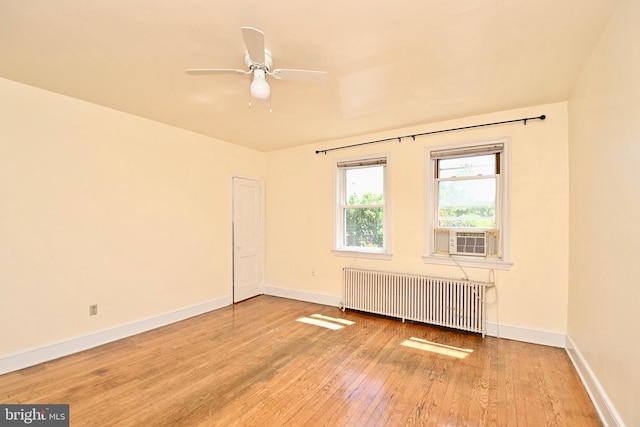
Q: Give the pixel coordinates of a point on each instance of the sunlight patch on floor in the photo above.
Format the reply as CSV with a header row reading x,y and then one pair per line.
x,y
318,322
333,319
434,347
326,321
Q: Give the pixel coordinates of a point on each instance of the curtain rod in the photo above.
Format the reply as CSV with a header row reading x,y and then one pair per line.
x,y
400,138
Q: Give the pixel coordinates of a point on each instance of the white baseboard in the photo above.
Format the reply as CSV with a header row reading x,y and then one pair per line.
x,y
533,336
24,359
608,414
330,300
548,338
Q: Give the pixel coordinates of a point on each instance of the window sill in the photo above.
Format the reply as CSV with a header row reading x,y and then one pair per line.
x,y
466,261
361,254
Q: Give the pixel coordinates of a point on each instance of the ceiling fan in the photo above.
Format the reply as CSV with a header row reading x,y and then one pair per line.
x,y
259,62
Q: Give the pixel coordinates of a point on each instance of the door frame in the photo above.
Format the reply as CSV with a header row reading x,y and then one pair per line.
x,y
260,182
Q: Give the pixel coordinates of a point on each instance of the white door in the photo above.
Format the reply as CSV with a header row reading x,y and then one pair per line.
x,y
247,238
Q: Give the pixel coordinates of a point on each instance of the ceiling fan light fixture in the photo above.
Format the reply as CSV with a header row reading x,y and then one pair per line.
x,y
259,62
259,87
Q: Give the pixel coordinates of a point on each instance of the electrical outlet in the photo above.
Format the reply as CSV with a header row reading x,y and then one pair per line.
x,y
93,309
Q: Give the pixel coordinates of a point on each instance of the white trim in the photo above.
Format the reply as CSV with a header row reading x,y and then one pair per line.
x,y
528,335
608,414
362,254
475,150
504,214
24,359
518,333
462,261
34,356
324,299
338,186
260,181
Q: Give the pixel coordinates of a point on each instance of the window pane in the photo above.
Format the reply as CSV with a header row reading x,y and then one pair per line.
x,y
364,186
364,227
467,203
467,166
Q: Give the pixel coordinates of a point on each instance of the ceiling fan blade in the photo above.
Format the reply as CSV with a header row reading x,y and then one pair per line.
x,y
254,40
300,75
204,71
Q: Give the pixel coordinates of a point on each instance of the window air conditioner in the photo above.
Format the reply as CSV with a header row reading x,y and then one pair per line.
x,y
466,242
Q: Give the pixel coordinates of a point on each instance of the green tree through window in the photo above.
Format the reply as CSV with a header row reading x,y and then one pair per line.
x,y
467,192
364,224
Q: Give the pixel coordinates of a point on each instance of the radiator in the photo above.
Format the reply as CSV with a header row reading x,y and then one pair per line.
x,y
453,303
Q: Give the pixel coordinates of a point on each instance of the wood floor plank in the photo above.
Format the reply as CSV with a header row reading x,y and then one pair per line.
x,y
351,401
503,408
254,364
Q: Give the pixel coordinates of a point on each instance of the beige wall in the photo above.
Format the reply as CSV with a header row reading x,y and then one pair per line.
x,y
101,207
604,318
533,294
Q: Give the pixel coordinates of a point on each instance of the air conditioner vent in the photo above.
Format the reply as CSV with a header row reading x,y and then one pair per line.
x,y
466,242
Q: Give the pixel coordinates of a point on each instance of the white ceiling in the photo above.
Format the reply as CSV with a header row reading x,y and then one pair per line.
x,y
390,63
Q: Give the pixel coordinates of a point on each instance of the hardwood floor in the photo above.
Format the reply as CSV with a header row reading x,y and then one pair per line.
x,y
253,364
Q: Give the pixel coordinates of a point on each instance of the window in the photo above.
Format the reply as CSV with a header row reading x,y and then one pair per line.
x,y
467,205
466,188
362,210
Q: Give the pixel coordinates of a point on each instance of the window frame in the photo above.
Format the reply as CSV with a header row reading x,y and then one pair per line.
x,y
503,208
339,249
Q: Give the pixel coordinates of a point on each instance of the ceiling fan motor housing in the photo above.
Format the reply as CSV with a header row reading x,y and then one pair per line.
x,y
268,61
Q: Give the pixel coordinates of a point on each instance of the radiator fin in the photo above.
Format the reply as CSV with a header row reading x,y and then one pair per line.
x,y
453,303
